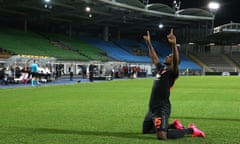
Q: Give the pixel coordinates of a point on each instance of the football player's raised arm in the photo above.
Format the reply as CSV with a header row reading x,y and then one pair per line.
x,y
172,39
152,52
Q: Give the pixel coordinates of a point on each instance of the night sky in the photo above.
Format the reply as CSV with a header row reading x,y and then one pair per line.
x,y
229,9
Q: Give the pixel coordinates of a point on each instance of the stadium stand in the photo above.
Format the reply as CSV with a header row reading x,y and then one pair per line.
x,y
186,63
4,54
161,49
116,52
28,43
121,52
76,45
236,57
132,46
216,62
69,48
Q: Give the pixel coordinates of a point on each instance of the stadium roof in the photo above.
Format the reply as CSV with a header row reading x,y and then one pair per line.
x,y
227,34
130,16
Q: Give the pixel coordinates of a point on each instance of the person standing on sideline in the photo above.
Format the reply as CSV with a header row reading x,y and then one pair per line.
x,y
156,119
71,72
34,73
91,71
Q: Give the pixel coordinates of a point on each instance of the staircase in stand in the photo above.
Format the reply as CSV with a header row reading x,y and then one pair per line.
x,y
66,47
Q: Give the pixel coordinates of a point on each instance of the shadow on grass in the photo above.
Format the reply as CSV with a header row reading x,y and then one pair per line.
x,y
128,135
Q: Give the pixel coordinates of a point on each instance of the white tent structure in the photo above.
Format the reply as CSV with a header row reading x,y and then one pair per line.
x,y
27,60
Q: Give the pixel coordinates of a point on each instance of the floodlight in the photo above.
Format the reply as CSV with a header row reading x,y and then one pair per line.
x,y
47,1
88,9
160,26
47,4
214,6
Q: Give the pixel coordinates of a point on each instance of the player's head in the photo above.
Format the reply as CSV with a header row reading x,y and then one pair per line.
x,y
169,59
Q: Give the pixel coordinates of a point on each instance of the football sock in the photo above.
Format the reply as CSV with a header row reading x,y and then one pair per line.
x,y
32,82
173,134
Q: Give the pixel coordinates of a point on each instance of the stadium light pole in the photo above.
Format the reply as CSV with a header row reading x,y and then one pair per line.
x,y
213,7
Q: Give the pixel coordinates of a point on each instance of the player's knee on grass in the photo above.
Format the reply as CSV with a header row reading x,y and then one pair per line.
x,y
161,126
161,135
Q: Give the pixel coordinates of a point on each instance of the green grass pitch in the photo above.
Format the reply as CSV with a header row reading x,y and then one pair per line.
x,y
112,112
